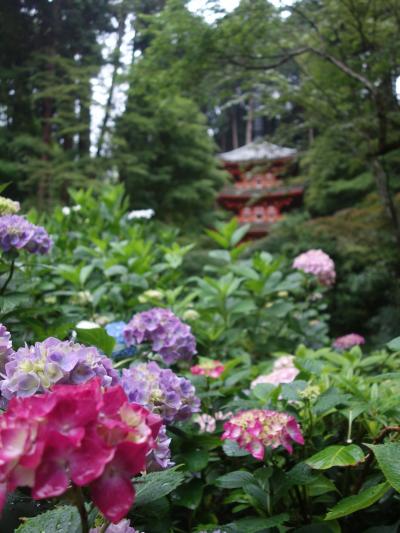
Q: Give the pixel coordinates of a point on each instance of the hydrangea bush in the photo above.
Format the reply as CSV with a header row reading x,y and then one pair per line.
x,y
275,426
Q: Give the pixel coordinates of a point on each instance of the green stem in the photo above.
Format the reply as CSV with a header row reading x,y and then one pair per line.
x,y
80,504
10,275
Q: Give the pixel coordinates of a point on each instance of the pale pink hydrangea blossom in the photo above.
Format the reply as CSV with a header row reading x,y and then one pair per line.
x,y
283,371
348,341
317,263
257,429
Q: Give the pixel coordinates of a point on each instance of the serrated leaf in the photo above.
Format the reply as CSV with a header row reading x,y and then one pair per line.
x,y
348,455
234,480
156,485
190,494
63,519
96,337
364,499
388,457
256,524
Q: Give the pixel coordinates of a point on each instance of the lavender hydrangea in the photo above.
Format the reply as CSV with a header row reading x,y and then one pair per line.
x,y
160,457
319,264
33,369
17,233
5,347
168,336
161,390
122,527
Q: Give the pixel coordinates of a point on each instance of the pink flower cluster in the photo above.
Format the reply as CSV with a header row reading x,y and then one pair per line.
x,y
77,434
283,371
208,367
257,429
348,341
317,263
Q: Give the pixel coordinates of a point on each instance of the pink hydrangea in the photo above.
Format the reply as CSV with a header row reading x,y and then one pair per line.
x,y
283,371
76,434
257,429
348,341
208,367
317,263
122,527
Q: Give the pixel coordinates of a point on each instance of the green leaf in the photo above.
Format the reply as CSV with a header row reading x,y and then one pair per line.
x,y
195,459
190,494
231,449
388,457
96,337
234,480
85,273
360,501
256,524
63,519
156,485
336,456
394,344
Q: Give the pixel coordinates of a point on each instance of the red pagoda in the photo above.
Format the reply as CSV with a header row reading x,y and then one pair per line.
x,y
258,194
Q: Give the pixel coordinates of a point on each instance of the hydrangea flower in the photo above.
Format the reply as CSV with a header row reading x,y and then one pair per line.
x,y
207,423
317,263
348,341
33,369
8,207
257,429
159,457
17,233
168,336
122,527
5,347
208,367
161,391
283,371
121,350
82,434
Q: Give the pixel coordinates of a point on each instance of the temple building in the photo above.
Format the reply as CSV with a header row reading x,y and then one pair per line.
x,y
258,194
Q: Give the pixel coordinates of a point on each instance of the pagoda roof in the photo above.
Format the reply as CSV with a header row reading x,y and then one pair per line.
x,y
258,152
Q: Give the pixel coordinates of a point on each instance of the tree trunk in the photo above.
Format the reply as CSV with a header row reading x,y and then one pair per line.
x,y
116,61
249,122
235,138
382,184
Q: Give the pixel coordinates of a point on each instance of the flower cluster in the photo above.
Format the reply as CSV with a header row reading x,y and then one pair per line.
x,y
122,527
36,368
257,429
8,207
168,336
348,341
208,367
76,434
160,457
283,371
17,233
5,347
160,390
319,264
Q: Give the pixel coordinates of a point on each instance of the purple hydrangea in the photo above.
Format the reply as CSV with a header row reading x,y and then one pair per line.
x,y
17,233
160,390
122,527
33,369
317,263
169,337
5,347
160,457
348,341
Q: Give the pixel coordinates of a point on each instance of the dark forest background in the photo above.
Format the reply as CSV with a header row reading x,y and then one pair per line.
x,y
320,76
